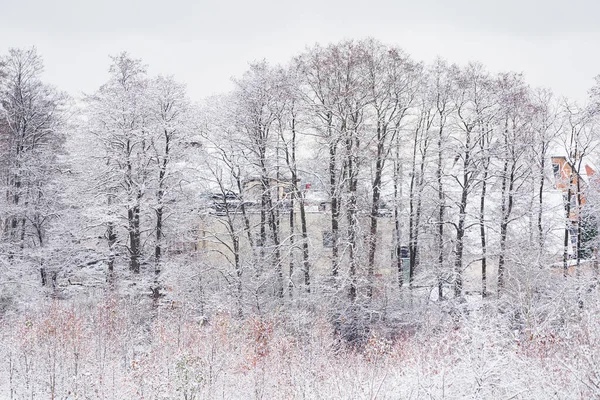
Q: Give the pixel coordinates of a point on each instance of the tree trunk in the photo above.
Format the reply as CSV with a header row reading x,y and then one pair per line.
x,y
440,221
352,145
111,237
375,204
133,215
305,254
397,196
540,228
245,217
297,195
567,230
335,211
462,214
508,181
292,245
482,234
162,173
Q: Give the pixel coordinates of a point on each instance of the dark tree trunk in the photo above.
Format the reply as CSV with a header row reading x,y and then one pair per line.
x,y
460,233
578,252
413,240
297,195
482,234
541,199
352,145
305,254
111,237
159,235
375,204
162,173
508,181
292,244
245,217
335,211
133,215
277,259
270,212
235,242
462,214
440,221
567,230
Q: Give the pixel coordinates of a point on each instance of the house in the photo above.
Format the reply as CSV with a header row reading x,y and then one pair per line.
x,y
577,185
217,231
568,179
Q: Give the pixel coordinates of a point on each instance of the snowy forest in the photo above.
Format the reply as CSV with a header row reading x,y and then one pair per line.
x,y
353,224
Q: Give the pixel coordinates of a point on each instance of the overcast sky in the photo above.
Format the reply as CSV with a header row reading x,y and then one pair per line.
x,y
555,43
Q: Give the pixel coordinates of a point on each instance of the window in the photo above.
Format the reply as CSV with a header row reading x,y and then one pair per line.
x,y
404,252
556,169
327,239
573,236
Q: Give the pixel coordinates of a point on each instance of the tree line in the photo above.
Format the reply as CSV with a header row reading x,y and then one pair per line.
x,y
112,184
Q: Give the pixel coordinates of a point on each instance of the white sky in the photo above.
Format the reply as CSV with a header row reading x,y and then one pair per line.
x,y
204,43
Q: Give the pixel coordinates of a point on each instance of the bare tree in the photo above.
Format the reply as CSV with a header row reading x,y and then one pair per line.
x,y
321,93
546,128
472,103
169,125
441,91
118,117
257,106
420,148
579,142
393,81
289,122
516,138
31,138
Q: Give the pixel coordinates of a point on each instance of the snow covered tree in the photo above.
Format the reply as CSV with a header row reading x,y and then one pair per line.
x,y
32,117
